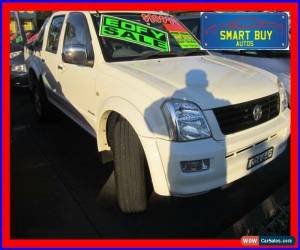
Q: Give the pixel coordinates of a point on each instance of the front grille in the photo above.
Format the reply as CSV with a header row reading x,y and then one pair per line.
x,y
238,117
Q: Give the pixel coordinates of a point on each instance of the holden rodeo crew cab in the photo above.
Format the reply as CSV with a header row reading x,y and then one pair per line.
x,y
175,118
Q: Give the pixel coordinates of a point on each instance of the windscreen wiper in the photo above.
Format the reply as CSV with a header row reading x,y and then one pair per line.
x,y
195,52
155,54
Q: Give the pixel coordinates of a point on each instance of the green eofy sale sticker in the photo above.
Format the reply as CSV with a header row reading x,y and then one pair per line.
x,y
134,32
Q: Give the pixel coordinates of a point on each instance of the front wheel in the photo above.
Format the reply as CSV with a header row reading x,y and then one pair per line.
x,y
42,107
130,167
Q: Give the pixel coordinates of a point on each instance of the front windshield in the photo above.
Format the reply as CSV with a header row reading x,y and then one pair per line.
x,y
136,36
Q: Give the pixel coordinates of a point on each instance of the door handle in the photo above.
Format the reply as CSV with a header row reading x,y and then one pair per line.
x,y
60,67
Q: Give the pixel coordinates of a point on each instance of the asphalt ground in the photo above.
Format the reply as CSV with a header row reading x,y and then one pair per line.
x,y
60,190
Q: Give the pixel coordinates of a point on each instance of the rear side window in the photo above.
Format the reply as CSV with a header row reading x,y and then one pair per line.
x,y
54,33
77,33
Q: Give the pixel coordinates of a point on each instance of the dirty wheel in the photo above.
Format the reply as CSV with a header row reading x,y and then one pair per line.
x,y
130,167
42,107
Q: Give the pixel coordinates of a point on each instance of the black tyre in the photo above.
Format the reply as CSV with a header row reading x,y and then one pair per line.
x,y
42,107
131,170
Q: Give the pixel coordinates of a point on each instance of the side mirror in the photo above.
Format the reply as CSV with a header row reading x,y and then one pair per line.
x,y
75,54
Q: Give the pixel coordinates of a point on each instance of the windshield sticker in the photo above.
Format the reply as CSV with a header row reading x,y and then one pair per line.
x,y
176,27
185,40
134,32
151,18
182,36
19,39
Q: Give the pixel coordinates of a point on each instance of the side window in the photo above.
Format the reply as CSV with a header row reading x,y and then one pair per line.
x,y
54,34
78,34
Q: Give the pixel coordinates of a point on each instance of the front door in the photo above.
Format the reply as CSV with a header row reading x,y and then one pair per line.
x,y
78,79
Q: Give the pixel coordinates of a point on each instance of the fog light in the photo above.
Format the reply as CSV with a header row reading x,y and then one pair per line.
x,y
194,166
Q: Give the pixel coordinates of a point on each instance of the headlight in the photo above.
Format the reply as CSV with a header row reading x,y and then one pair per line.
x,y
14,54
185,120
283,96
19,68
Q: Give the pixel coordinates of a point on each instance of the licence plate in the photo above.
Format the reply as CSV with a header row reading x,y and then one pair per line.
x,y
259,158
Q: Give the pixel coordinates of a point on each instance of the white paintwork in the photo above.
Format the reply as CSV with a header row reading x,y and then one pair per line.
x,y
137,89
279,66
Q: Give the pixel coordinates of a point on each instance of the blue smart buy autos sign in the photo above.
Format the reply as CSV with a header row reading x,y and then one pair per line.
x,y
248,30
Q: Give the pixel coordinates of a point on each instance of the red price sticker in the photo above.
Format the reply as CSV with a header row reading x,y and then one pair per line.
x,y
153,18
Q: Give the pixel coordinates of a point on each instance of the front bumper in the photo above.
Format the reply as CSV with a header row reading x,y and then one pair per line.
x,y
228,158
19,79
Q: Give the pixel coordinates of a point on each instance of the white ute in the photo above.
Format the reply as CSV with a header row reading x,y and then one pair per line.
x,y
176,119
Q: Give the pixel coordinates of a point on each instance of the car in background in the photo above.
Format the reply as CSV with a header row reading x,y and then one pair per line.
x,y
20,40
274,61
18,71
